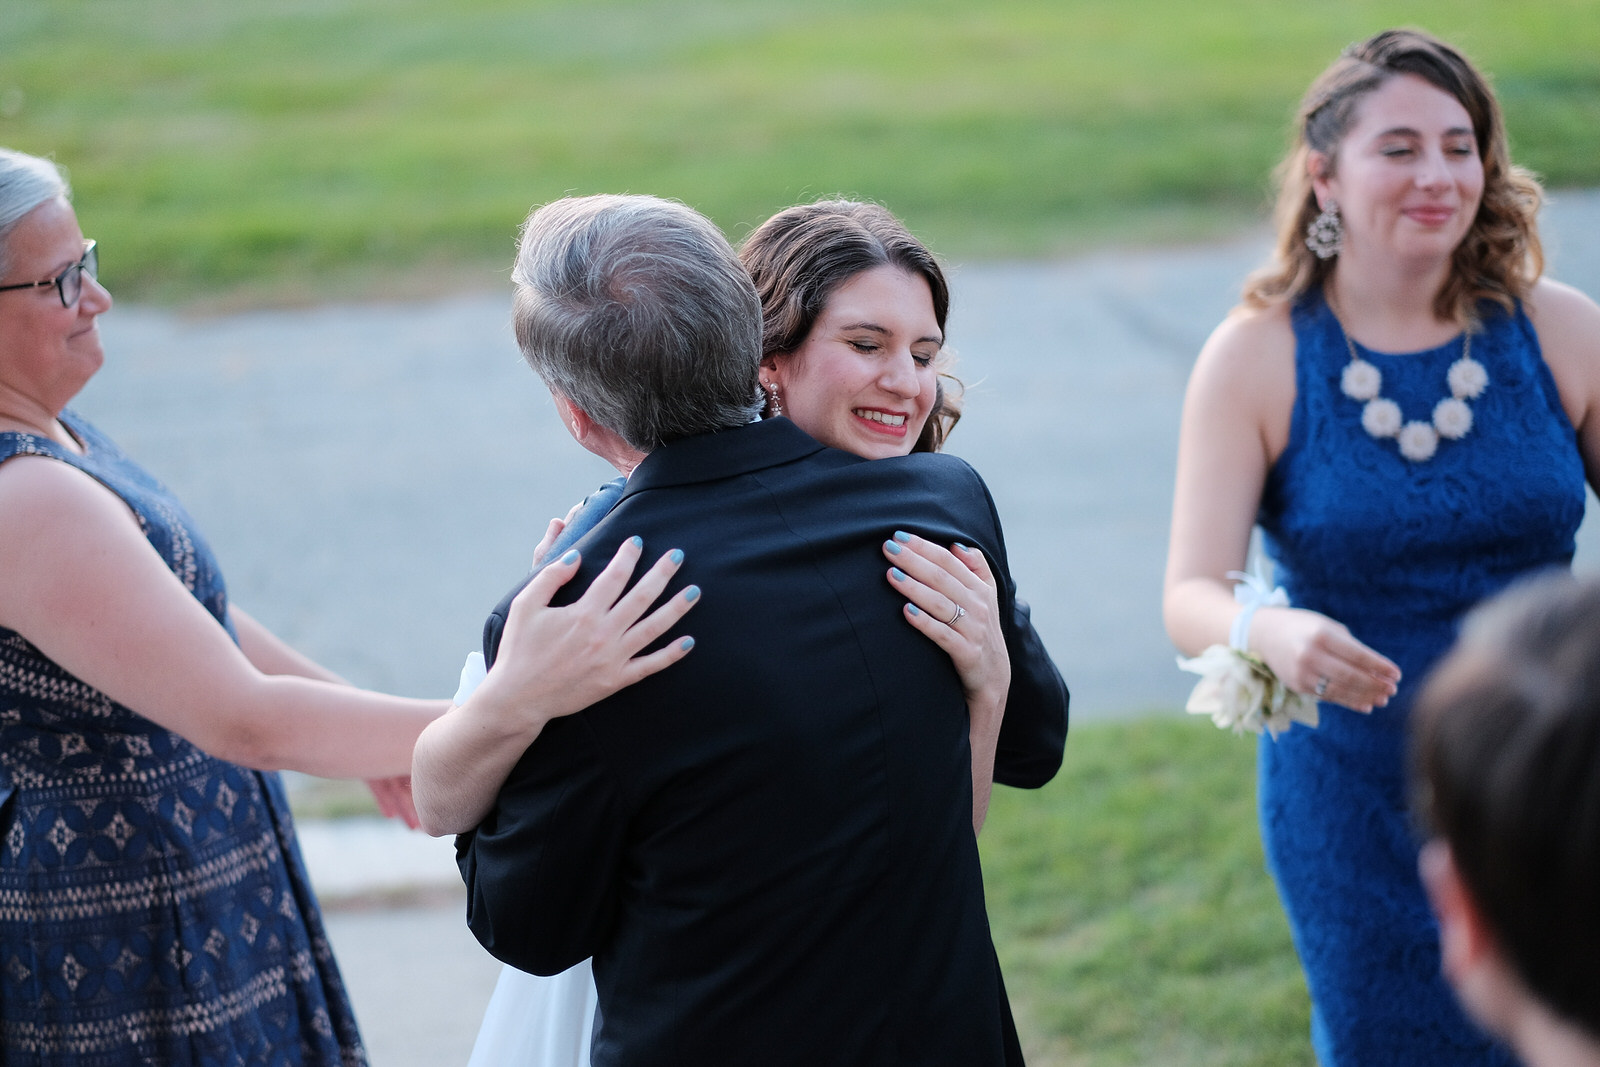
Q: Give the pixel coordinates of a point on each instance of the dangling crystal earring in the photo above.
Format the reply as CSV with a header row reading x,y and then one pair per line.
x,y
773,401
1325,235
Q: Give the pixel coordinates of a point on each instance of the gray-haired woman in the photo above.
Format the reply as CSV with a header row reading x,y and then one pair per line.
x,y
156,908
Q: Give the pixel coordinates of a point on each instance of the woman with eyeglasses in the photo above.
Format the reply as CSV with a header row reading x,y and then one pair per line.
x,y
154,907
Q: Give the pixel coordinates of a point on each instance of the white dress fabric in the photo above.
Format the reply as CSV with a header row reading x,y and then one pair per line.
x,y
532,1021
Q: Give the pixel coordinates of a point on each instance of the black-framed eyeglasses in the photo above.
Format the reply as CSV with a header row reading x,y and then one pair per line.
x,y
69,283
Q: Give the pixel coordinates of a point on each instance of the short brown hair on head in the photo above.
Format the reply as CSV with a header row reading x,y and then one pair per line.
x,y
1506,769
1499,259
638,311
802,254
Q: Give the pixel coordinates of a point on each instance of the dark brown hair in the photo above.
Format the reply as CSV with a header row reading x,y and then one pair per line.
x,y
1506,769
1499,259
802,254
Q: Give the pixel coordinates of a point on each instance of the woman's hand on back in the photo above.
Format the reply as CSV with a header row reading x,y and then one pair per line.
x,y
552,661
935,580
558,660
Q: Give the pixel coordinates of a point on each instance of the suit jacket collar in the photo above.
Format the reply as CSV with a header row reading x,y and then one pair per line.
x,y
725,454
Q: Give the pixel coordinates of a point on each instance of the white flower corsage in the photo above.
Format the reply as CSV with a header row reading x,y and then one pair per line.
x,y
1241,693
1236,688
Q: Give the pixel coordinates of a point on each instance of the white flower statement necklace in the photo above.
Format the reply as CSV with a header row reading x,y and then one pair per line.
x,y
1381,417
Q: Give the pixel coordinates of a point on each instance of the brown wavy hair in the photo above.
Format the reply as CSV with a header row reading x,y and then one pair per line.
x,y
1499,259
802,254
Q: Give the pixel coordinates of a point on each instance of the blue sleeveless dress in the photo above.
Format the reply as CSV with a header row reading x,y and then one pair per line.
x,y
1397,551
154,907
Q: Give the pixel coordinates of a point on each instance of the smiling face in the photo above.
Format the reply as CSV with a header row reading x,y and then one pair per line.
x,y
863,379
47,352
1407,177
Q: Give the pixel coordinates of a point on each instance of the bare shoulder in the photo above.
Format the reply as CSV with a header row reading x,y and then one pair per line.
x,y
1562,314
1243,383
1249,342
1547,292
50,511
1568,324
39,489
1249,357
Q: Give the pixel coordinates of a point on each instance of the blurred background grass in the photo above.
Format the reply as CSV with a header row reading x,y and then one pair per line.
x,y
295,150
1131,909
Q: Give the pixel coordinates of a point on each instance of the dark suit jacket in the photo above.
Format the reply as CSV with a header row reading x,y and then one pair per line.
x,y
768,848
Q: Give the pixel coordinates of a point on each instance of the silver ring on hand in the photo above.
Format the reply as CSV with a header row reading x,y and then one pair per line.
x,y
958,616
1322,686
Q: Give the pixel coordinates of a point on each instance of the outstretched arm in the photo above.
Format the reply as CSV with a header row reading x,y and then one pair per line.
x,y
80,581
936,580
269,654
552,662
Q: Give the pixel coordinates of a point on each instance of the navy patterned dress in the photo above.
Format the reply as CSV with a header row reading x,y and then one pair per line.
x,y
154,908
1397,551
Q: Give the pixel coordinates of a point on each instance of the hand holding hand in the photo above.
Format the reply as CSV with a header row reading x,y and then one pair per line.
x,y
1314,654
394,799
937,581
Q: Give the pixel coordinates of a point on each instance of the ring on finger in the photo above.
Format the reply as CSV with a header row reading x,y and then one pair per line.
x,y
958,616
1322,686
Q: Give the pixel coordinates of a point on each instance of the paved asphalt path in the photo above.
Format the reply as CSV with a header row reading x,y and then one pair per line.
x,y
373,478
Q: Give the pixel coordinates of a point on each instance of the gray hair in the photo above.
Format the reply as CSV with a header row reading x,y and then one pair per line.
x,y
637,310
25,183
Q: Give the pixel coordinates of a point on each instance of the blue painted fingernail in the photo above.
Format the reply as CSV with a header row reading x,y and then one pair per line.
x,y
913,609
686,644
903,537
571,556
692,593
897,574
676,555
637,542
961,547
892,548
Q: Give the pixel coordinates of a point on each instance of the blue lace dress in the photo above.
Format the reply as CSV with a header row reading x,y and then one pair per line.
x,y
154,908
1397,551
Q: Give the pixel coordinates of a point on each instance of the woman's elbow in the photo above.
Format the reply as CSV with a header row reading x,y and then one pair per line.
x,y
438,820
248,744
1177,617
245,732
1169,616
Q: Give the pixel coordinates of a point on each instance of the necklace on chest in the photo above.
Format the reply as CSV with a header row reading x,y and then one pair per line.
x,y
1382,418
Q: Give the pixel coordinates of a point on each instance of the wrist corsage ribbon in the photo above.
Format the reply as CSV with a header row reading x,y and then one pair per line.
x,y
1236,688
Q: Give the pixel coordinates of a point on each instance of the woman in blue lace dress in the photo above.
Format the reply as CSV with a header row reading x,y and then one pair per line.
x,y
1408,409
154,908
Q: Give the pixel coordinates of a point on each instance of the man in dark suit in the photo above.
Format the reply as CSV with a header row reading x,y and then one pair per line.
x,y
768,847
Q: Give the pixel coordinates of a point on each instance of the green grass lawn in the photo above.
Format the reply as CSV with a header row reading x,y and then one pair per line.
x,y
1135,920
290,149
